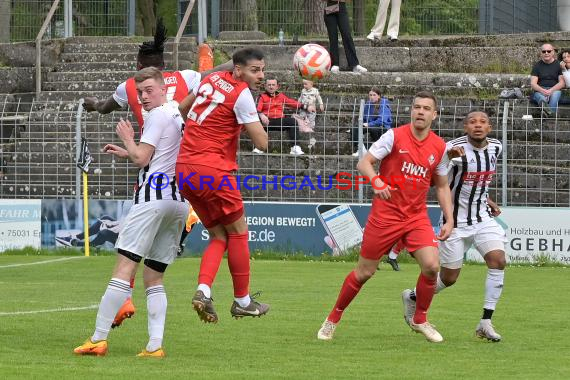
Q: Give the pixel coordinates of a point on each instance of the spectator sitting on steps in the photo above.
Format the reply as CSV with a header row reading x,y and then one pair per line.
x,y
377,118
310,97
546,80
564,58
270,107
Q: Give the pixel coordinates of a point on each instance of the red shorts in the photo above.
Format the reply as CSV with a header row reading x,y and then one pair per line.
x,y
379,237
213,203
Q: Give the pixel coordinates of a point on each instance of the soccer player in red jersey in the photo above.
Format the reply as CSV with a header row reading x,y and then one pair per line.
x,y
222,107
178,85
408,157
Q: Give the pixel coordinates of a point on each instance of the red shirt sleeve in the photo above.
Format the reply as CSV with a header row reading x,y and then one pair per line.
x,y
291,103
260,103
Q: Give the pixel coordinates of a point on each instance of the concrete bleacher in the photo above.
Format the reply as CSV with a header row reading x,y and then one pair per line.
x,y
465,73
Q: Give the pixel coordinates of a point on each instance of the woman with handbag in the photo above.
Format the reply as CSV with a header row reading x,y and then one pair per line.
x,y
336,18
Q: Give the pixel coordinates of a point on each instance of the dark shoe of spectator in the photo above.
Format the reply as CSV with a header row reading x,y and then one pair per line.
x,y
546,110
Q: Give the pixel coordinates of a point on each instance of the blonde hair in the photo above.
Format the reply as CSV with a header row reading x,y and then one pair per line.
x,y
149,73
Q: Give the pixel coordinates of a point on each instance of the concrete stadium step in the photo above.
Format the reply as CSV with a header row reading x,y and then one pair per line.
x,y
75,76
120,56
93,85
39,190
73,96
442,59
96,66
49,173
500,40
122,44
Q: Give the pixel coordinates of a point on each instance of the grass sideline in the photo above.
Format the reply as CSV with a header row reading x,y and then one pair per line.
x,y
372,341
540,260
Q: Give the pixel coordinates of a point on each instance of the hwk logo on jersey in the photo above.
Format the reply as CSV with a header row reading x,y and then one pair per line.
x,y
415,170
431,159
472,161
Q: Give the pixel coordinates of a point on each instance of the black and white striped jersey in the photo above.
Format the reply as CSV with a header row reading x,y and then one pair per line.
x,y
163,130
469,180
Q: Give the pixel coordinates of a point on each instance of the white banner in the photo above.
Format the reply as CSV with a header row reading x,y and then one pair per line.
x,y
20,223
534,232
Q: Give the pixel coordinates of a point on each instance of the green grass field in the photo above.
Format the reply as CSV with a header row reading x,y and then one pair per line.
x,y
372,340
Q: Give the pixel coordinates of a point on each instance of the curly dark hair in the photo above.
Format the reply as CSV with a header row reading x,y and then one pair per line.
x,y
151,53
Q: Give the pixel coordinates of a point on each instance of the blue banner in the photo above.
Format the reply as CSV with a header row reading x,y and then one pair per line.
x,y
278,227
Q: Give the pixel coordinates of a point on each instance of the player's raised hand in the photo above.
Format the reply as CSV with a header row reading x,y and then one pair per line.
x,y
115,150
445,231
125,130
456,151
90,104
264,119
495,210
382,189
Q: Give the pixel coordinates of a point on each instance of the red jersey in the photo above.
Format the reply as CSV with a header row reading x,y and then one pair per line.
x,y
272,105
176,90
214,122
408,165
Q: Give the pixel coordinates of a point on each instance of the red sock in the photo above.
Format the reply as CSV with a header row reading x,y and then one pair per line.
x,y
425,289
238,261
349,290
211,260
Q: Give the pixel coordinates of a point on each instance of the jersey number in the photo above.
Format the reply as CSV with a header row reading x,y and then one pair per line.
x,y
205,91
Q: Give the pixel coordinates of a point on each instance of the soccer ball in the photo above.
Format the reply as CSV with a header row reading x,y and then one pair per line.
x,y
312,61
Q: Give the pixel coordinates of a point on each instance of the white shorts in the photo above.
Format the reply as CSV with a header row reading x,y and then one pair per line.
x,y
152,229
486,236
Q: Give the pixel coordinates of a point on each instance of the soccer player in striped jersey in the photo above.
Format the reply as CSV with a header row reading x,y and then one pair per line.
x,y
154,223
473,217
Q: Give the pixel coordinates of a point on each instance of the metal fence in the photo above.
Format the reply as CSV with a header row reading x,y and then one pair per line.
x,y
23,18
38,149
417,17
296,17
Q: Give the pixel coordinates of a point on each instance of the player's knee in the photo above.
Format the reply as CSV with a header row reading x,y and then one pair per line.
x,y
498,263
157,266
449,281
430,270
496,260
363,274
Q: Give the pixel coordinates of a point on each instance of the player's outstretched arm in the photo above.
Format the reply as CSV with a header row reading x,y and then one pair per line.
x,y
109,105
139,154
116,151
257,135
444,199
185,105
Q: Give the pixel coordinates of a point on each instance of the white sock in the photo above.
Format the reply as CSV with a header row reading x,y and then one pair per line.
x,y
243,301
392,255
493,288
439,286
156,304
114,297
206,290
